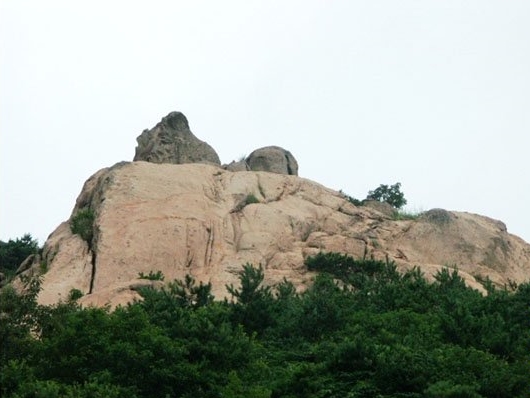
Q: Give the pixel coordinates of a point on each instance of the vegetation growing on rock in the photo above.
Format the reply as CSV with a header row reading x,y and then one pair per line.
x,y
82,224
390,194
14,252
361,330
250,199
152,276
383,193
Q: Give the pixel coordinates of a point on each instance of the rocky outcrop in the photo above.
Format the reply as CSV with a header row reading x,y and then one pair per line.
x,y
202,220
272,159
237,166
381,207
171,141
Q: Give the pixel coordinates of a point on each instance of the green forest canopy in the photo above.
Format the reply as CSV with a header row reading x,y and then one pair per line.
x,y
361,330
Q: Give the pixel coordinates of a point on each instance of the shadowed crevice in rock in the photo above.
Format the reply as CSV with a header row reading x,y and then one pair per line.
x,y
290,170
92,252
93,273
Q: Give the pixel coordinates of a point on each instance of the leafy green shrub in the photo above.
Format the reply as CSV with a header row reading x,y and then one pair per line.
x,y
389,194
82,224
351,199
152,276
75,294
251,198
354,201
14,252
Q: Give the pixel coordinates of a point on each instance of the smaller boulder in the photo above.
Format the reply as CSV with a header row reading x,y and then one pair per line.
x,y
274,160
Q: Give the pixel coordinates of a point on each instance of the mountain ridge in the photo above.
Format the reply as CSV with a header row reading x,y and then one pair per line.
x,y
177,210
198,219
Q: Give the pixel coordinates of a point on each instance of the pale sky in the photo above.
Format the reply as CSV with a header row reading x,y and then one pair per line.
x,y
432,94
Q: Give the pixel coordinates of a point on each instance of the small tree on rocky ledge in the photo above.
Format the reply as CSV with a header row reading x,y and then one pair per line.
x,y
389,194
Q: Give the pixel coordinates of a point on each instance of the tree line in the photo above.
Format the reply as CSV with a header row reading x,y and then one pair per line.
x,y
361,330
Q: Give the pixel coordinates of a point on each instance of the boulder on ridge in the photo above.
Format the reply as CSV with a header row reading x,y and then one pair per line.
x,y
273,159
171,141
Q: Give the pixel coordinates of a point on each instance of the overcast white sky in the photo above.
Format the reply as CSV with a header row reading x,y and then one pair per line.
x,y
433,94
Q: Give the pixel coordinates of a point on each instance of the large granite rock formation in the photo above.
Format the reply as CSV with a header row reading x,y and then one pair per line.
x,y
171,141
272,159
197,219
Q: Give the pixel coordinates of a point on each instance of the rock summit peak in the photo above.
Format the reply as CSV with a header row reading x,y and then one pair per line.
x,y
171,141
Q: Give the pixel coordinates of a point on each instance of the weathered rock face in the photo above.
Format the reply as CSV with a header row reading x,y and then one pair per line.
x,y
171,141
237,166
381,207
195,219
273,159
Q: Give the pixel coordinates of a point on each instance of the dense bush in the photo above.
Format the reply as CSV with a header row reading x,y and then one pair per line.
x,y
389,194
351,199
82,224
361,330
383,193
250,199
14,252
152,276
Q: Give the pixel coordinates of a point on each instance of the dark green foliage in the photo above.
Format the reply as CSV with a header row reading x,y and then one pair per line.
x,y
189,294
75,294
251,288
251,198
253,301
342,265
18,376
357,273
354,201
322,311
152,276
390,194
351,199
14,252
19,320
82,224
361,330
